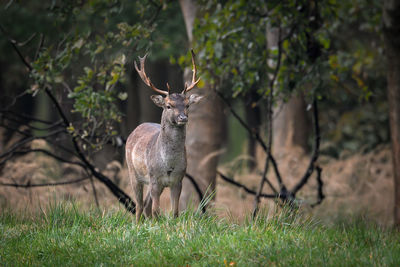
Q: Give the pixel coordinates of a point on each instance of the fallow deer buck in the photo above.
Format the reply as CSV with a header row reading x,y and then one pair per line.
x,y
155,153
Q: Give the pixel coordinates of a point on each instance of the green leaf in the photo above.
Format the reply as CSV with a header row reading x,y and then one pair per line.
x,y
123,96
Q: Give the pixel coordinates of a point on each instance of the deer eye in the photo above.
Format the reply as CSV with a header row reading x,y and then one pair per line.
x,y
168,107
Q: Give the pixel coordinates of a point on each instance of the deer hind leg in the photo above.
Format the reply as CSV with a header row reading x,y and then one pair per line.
x,y
147,204
175,194
138,189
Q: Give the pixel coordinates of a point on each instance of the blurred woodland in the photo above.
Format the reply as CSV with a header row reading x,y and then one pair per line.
x,y
301,101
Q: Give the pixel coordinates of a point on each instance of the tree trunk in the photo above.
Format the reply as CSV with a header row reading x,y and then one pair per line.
x,y
205,130
391,21
253,119
291,126
290,121
2,104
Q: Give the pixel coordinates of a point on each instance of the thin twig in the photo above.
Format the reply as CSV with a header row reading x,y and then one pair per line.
x,y
24,133
94,193
19,122
25,116
48,153
195,185
269,129
276,170
264,174
252,132
248,190
321,195
28,185
41,42
12,42
158,10
198,190
260,188
255,135
27,140
14,100
30,38
315,154
54,143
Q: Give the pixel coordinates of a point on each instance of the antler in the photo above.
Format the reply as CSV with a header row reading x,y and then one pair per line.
x,y
194,82
146,79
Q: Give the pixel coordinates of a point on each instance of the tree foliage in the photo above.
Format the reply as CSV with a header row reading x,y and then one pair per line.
x,y
328,49
82,51
231,42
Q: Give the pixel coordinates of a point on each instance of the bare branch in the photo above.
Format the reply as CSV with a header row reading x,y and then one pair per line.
x,y
28,185
41,42
26,140
198,190
8,4
54,143
94,192
8,127
315,154
48,153
14,100
25,117
20,122
13,43
248,190
254,134
117,192
30,38
153,19
263,177
269,129
321,195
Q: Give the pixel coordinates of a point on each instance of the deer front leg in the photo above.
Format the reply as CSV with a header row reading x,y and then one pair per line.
x,y
155,192
175,194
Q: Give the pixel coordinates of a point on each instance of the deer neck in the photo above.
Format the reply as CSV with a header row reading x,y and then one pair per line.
x,y
171,140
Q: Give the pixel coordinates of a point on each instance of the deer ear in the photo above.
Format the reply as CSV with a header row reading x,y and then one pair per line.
x,y
193,98
158,100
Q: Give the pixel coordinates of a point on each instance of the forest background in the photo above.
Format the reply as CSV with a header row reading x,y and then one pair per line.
x,y
300,101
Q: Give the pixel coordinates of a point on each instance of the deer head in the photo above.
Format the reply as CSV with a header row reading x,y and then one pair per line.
x,y
175,106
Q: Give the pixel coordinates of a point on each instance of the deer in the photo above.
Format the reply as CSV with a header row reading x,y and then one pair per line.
x,y
156,153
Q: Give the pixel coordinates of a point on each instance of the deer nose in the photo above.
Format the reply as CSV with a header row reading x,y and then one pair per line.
x,y
182,118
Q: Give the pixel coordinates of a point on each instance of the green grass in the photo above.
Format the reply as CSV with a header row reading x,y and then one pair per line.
x,y
65,236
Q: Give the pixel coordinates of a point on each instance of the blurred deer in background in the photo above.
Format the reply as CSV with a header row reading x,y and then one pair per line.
x,y
155,153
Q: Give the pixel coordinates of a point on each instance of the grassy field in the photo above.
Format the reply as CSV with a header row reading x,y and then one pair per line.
x,y
65,236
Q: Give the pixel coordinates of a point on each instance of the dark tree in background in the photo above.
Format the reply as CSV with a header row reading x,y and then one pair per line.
x,y
206,127
391,21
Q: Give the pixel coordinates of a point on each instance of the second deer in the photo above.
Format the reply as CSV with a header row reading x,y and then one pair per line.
x,y
156,153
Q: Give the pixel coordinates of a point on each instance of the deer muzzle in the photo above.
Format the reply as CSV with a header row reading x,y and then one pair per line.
x,y
181,119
